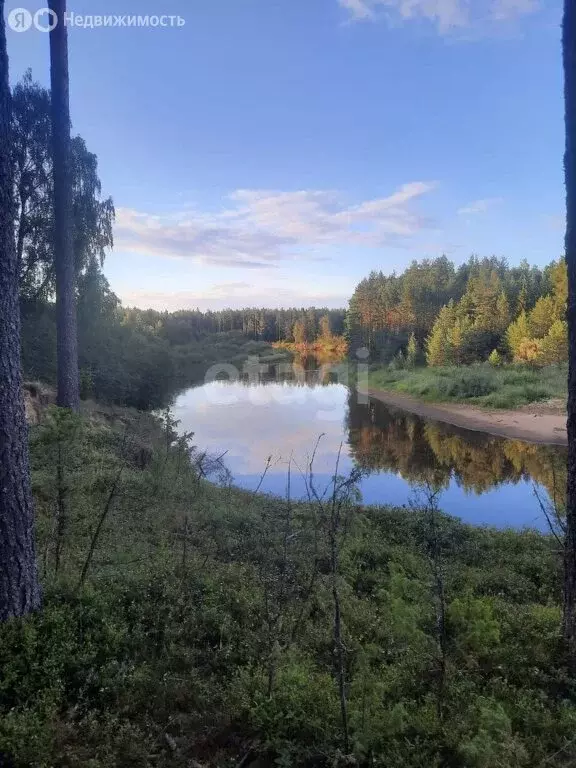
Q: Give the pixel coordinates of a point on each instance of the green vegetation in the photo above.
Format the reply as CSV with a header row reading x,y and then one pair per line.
x,y
487,385
460,316
188,623
126,357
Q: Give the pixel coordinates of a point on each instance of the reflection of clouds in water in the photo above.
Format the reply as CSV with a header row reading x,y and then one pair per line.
x,y
483,479
283,394
323,400
285,422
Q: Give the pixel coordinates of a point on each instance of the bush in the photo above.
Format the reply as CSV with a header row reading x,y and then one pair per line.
x,y
468,384
495,358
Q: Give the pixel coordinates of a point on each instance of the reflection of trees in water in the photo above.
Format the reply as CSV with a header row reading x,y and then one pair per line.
x,y
306,370
385,438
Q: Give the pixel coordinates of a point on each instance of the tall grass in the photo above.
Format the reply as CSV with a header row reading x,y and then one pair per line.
x,y
482,384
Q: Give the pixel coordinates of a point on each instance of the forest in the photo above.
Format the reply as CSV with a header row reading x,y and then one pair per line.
x,y
153,614
483,310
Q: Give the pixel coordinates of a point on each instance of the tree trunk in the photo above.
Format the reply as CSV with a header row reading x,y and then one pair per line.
x,y
67,344
569,56
19,589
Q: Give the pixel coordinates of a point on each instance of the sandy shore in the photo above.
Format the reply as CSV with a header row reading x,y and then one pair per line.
x,y
537,423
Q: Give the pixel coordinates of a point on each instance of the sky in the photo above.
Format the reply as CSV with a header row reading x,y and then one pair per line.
x,y
274,152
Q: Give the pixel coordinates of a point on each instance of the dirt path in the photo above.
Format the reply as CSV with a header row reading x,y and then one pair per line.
x,y
536,423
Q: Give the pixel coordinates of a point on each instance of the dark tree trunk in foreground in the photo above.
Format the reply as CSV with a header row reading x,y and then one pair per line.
x,y
68,379
19,589
569,55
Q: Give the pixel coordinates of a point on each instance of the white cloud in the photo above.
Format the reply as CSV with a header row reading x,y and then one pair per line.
x,y
503,10
447,15
237,296
479,206
261,228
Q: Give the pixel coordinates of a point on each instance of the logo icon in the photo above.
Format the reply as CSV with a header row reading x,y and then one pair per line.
x,y
20,19
44,24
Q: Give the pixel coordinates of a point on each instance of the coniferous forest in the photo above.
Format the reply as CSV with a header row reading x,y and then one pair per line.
x,y
481,310
154,614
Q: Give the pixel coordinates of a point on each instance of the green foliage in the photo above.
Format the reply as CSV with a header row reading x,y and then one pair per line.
x,y
477,345
554,346
517,334
200,595
93,216
495,358
412,352
302,716
462,313
483,385
542,317
444,338
494,744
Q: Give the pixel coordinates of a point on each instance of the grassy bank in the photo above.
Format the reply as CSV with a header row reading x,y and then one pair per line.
x,y
481,385
188,623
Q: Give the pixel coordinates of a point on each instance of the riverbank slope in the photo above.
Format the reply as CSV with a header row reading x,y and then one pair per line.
x,y
536,423
511,401
191,623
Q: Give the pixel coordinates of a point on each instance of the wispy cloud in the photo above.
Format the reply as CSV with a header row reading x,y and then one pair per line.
x,y
479,206
240,295
503,10
260,228
447,15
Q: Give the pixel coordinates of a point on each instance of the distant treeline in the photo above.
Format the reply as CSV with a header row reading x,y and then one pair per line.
x,y
483,309
126,356
261,324
140,357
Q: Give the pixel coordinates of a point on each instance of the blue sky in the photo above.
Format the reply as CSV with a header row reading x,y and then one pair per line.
x,y
273,152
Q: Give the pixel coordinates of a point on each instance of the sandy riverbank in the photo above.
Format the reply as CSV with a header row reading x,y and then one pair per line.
x,y
537,423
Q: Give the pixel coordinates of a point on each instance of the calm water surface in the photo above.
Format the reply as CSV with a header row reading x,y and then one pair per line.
x,y
483,479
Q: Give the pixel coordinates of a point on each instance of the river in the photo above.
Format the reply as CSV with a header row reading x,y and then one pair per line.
x,y
276,418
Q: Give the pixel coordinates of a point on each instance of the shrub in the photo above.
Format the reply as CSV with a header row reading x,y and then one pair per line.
x,y
467,384
495,358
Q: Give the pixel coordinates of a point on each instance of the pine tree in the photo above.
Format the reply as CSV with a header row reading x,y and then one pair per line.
x,y
439,345
495,358
324,327
458,333
412,351
554,346
517,333
486,304
68,375
299,332
19,588
542,316
502,313
559,277
522,304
